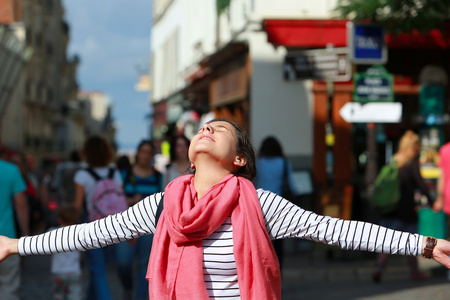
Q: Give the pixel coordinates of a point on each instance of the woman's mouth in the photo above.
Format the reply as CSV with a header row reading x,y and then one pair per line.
x,y
205,137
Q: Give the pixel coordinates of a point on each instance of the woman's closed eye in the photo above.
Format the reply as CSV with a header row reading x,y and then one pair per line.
x,y
220,128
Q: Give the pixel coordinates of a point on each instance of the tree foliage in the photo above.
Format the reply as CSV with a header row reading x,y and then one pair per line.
x,y
398,15
222,5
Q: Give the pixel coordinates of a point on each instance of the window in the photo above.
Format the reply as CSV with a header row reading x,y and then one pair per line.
x,y
28,88
49,95
49,48
38,39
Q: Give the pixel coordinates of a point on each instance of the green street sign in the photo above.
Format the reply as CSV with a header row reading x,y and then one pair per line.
x,y
375,85
431,100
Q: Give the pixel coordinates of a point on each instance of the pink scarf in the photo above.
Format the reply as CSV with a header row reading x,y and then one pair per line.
x,y
176,261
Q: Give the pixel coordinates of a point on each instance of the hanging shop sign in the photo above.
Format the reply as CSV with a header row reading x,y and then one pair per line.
x,y
323,64
366,43
376,112
374,85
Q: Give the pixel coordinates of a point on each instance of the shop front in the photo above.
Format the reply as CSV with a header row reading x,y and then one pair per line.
x,y
348,155
228,88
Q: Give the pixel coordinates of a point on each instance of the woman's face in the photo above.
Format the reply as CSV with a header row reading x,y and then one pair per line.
x,y
181,148
144,155
216,139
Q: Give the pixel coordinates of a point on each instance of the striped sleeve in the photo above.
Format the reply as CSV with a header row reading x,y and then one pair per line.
x,y
136,221
284,219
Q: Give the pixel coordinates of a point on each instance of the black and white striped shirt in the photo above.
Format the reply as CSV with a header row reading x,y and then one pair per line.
x,y
282,218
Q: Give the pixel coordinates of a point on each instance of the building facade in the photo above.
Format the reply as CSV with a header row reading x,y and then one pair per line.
x,y
223,64
97,110
41,109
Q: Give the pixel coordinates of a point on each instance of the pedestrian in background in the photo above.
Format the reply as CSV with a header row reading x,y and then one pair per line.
x,y
98,155
34,178
141,180
123,163
212,239
274,172
442,202
405,217
12,204
179,160
443,185
31,194
66,266
32,172
63,178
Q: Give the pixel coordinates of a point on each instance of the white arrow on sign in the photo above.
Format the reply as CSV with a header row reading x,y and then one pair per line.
x,y
373,112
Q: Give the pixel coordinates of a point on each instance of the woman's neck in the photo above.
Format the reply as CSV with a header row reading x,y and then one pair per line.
x,y
206,177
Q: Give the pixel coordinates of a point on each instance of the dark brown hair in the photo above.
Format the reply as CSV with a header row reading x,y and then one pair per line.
x,y
97,152
243,147
271,147
173,144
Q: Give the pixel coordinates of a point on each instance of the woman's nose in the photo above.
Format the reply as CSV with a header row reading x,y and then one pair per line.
x,y
207,127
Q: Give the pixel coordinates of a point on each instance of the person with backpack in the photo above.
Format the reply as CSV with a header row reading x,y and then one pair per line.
x,y
213,237
139,181
403,216
98,193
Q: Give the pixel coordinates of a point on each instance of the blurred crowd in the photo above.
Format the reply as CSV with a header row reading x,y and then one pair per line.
x,y
60,192
37,178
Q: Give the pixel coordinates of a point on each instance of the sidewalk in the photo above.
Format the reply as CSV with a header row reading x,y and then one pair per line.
x,y
327,272
37,280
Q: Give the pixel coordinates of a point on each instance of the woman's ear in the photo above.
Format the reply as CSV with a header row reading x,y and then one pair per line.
x,y
240,161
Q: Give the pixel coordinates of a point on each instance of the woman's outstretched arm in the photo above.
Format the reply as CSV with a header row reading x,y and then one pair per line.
x,y
286,220
136,221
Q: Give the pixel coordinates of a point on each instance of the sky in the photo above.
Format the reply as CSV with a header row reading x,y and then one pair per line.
x,y
112,39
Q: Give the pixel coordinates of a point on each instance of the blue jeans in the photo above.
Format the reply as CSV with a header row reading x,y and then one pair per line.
x,y
98,288
125,255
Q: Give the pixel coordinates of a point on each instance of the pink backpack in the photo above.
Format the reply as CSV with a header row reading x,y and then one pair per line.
x,y
108,197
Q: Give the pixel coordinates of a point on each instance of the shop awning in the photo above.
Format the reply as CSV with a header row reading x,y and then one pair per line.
x,y
320,33
306,33
435,39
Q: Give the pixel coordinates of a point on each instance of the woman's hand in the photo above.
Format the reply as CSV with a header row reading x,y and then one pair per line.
x,y
437,205
8,247
441,253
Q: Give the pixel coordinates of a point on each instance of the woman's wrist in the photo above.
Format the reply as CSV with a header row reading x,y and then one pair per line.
x,y
14,246
8,247
429,243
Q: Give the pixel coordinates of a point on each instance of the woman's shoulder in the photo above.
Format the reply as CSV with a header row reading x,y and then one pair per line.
x,y
265,193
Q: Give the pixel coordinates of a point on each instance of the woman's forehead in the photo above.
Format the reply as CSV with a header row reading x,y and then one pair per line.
x,y
222,123
145,147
